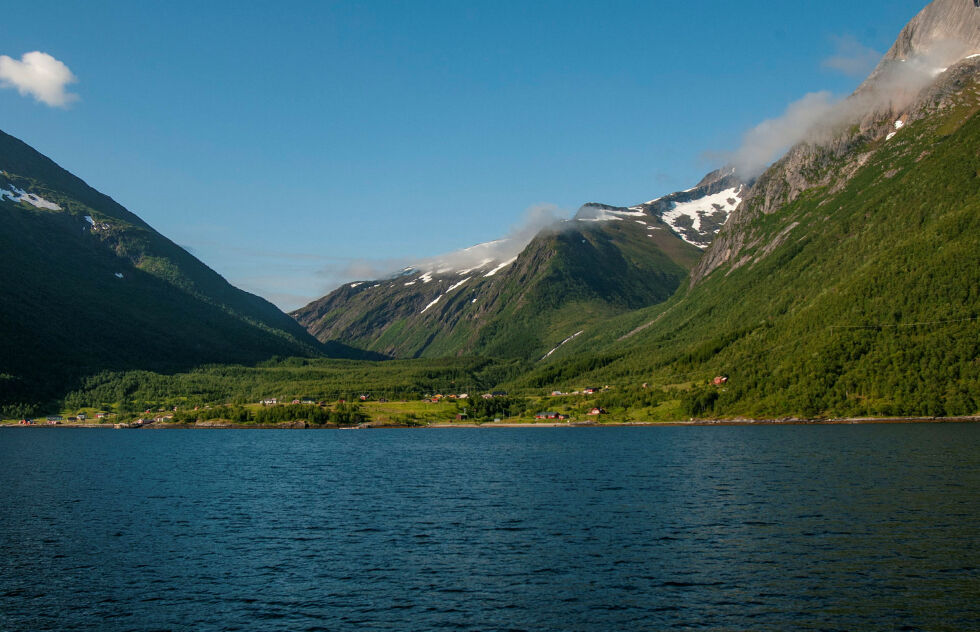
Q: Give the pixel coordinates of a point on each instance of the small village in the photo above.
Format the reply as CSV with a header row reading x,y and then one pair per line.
x,y
376,411
591,405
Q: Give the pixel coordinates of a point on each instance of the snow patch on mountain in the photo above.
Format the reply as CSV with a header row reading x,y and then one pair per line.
x,y
695,210
500,267
598,214
17,195
426,308
484,263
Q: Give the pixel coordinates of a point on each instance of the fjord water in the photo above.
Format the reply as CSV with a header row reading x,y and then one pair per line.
x,y
763,528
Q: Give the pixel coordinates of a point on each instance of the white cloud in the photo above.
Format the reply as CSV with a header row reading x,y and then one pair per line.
x,y
767,140
39,75
817,117
852,58
342,271
536,219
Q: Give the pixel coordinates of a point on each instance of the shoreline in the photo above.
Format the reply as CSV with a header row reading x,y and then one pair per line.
x,y
300,425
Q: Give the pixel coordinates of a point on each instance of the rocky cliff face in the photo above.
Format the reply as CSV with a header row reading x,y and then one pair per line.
x,y
930,61
949,29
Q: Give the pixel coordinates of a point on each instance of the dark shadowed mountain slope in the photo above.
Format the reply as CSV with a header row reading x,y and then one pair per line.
x,y
87,285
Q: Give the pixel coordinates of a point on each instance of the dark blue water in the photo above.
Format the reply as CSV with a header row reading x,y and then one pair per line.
x,y
769,528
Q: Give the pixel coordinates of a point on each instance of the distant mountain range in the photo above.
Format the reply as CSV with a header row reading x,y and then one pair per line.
x,y
498,299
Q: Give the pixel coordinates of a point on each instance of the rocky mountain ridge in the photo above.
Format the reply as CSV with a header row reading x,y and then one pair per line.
x,y
604,260
923,71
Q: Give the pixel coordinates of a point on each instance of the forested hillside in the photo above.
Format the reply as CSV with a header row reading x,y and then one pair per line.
x,y
860,296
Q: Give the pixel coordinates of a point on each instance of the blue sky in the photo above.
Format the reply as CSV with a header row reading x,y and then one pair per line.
x,y
293,146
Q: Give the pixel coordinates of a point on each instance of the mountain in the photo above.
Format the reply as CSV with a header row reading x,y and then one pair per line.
x,y
846,282
932,54
506,299
697,214
88,286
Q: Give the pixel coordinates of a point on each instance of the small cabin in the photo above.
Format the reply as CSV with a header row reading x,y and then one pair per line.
x,y
722,379
596,411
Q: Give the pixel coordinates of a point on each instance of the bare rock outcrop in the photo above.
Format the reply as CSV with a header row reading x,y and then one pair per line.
x,y
934,55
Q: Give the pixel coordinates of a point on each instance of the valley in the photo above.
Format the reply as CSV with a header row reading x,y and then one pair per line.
x,y
840,281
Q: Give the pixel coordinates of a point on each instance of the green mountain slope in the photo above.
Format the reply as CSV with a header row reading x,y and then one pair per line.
x,y
847,283
567,279
86,285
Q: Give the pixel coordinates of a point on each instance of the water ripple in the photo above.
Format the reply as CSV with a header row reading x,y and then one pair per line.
x,y
809,528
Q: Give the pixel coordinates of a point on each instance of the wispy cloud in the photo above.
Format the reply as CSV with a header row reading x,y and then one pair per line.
x,y
292,279
39,75
818,116
851,57
535,219
764,142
